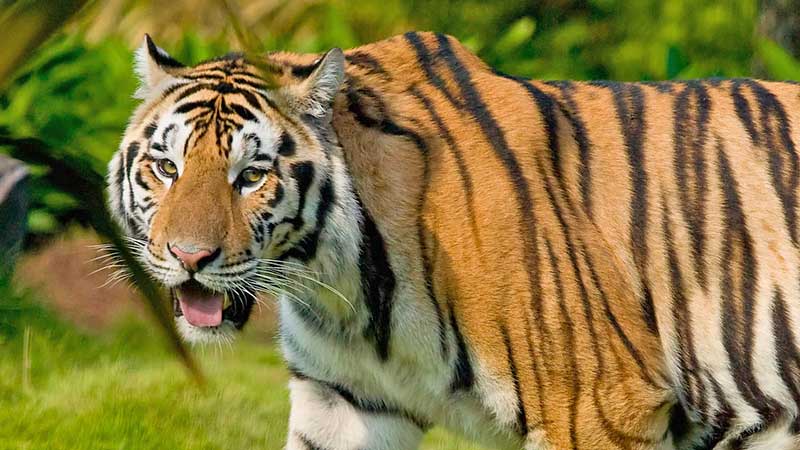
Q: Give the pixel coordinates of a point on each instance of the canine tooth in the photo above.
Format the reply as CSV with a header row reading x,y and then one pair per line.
x,y
227,301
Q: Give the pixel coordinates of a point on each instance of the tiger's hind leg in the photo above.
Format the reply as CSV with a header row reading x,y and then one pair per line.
x,y
326,417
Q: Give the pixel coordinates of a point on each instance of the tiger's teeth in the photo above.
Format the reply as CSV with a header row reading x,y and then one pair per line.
x,y
226,302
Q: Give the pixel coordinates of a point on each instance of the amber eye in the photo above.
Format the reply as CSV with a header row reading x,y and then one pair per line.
x,y
167,168
251,176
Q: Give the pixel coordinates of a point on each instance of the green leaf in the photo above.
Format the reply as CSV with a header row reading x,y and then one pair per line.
x,y
780,65
518,34
676,61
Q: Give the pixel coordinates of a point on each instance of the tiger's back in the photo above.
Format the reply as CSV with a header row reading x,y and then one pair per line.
x,y
602,250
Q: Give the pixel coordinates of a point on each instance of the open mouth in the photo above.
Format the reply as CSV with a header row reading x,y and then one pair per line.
x,y
204,308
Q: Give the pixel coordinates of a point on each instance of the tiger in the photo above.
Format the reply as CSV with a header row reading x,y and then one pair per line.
x,y
537,265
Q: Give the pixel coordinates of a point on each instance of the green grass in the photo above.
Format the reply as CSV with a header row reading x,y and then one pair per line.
x,y
121,390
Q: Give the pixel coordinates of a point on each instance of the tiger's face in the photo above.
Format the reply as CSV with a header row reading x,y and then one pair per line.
x,y
223,183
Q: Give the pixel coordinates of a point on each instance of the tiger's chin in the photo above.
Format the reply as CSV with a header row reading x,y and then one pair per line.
x,y
204,316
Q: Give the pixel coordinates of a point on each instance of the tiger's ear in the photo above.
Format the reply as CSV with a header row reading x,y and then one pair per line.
x,y
314,95
153,65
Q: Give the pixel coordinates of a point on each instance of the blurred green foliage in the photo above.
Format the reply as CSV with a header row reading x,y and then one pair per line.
x,y
75,94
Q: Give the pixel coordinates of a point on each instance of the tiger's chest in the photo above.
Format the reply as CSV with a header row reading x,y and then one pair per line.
x,y
413,383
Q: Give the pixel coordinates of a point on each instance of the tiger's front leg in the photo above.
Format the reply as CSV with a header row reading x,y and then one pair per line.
x,y
324,418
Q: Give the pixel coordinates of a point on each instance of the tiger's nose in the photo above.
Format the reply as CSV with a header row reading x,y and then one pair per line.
x,y
193,261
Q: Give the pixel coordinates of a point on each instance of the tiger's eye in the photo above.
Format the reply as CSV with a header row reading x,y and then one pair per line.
x,y
167,168
251,176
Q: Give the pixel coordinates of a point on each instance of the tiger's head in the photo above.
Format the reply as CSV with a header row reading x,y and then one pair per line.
x,y
228,186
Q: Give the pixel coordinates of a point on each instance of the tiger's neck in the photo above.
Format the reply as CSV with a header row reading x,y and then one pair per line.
x,y
332,293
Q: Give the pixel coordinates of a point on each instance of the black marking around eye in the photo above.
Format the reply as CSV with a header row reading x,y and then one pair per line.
x,y
140,181
273,202
287,146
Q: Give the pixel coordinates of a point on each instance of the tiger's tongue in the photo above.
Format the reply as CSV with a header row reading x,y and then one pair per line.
x,y
201,307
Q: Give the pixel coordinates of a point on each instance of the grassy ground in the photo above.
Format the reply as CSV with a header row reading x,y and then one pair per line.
x,y
121,390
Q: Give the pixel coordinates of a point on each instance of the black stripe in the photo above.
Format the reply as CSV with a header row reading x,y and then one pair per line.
x,y
680,427
307,442
743,110
783,160
691,132
775,137
303,175
742,439
361,94
461,165
191,106
629,104
192,89
306,248
688,366
277,196
210,74
738,332
165,134
250,98
568,332
522,419
377,284
720,423
377,407
305,70
122,171
161,59
426,62
787,357
150,129
581,135
223,87
173,89
140,181
463,375
287,146
366,62
611,318
547,110
316,320
130,158
242,111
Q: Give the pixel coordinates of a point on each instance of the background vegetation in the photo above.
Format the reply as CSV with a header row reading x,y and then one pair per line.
x,y
75,92
115,387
